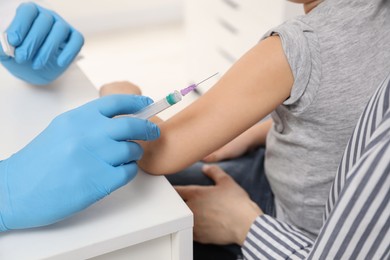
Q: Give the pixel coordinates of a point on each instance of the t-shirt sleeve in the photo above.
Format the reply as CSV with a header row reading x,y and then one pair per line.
x,y
300,45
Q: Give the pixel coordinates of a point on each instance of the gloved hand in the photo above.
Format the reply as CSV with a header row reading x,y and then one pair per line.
x,y
45,45
81,157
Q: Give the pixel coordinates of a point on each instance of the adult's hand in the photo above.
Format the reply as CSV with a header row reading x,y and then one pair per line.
x,y
45,45
81,157
223,213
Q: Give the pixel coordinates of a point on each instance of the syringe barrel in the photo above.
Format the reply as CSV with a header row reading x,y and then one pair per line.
x,y
159,106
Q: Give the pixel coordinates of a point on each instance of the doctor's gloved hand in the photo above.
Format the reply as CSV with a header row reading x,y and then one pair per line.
x,y
45,45
81,157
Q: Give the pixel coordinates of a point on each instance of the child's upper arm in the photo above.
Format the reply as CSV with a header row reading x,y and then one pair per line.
x,y
254,86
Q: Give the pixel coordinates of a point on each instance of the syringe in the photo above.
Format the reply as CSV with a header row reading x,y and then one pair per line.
x,y
168,101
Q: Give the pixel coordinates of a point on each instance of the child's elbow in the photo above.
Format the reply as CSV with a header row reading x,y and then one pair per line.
x,y
158,168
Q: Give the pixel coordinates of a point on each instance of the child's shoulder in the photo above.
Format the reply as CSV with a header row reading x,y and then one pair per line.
x,y
335,17
334,13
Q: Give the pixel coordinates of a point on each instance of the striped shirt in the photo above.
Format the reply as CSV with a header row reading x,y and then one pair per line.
x,y
357,214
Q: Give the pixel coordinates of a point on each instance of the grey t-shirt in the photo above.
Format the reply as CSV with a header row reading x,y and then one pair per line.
x,y
339,53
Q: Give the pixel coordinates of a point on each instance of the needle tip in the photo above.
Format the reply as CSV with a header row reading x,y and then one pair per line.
x,y
192,87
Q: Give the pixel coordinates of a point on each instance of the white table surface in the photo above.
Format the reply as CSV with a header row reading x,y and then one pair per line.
x,y
145,209
26,110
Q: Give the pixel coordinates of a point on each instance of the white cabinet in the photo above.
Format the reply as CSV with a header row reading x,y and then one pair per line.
x,y
145,220
221,31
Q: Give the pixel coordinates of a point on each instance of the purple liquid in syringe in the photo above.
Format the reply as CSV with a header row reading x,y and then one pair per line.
x,y
188,89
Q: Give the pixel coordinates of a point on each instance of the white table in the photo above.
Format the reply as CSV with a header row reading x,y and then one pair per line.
x,y
146,219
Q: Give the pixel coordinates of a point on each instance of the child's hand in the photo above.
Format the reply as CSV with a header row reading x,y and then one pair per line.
x,y
120,87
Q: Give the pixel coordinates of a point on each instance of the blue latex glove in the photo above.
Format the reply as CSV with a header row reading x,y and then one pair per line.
x,y
81,157
45,45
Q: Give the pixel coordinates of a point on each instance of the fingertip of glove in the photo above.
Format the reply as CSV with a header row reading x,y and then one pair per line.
x,y
37,65
129,171
153,131
132,175
20,56
13,38
146,100
64,61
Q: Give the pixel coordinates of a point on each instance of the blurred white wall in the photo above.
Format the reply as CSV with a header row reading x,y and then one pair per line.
x,y
92,16
220,31
159,44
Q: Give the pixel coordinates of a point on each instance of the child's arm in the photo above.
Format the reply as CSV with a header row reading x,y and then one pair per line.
x,y
250,139
259,82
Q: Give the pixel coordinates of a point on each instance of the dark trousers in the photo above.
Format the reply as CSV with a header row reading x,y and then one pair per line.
x,y
248,172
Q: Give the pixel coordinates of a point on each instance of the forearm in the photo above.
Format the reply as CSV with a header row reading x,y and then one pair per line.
x,y
259,82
